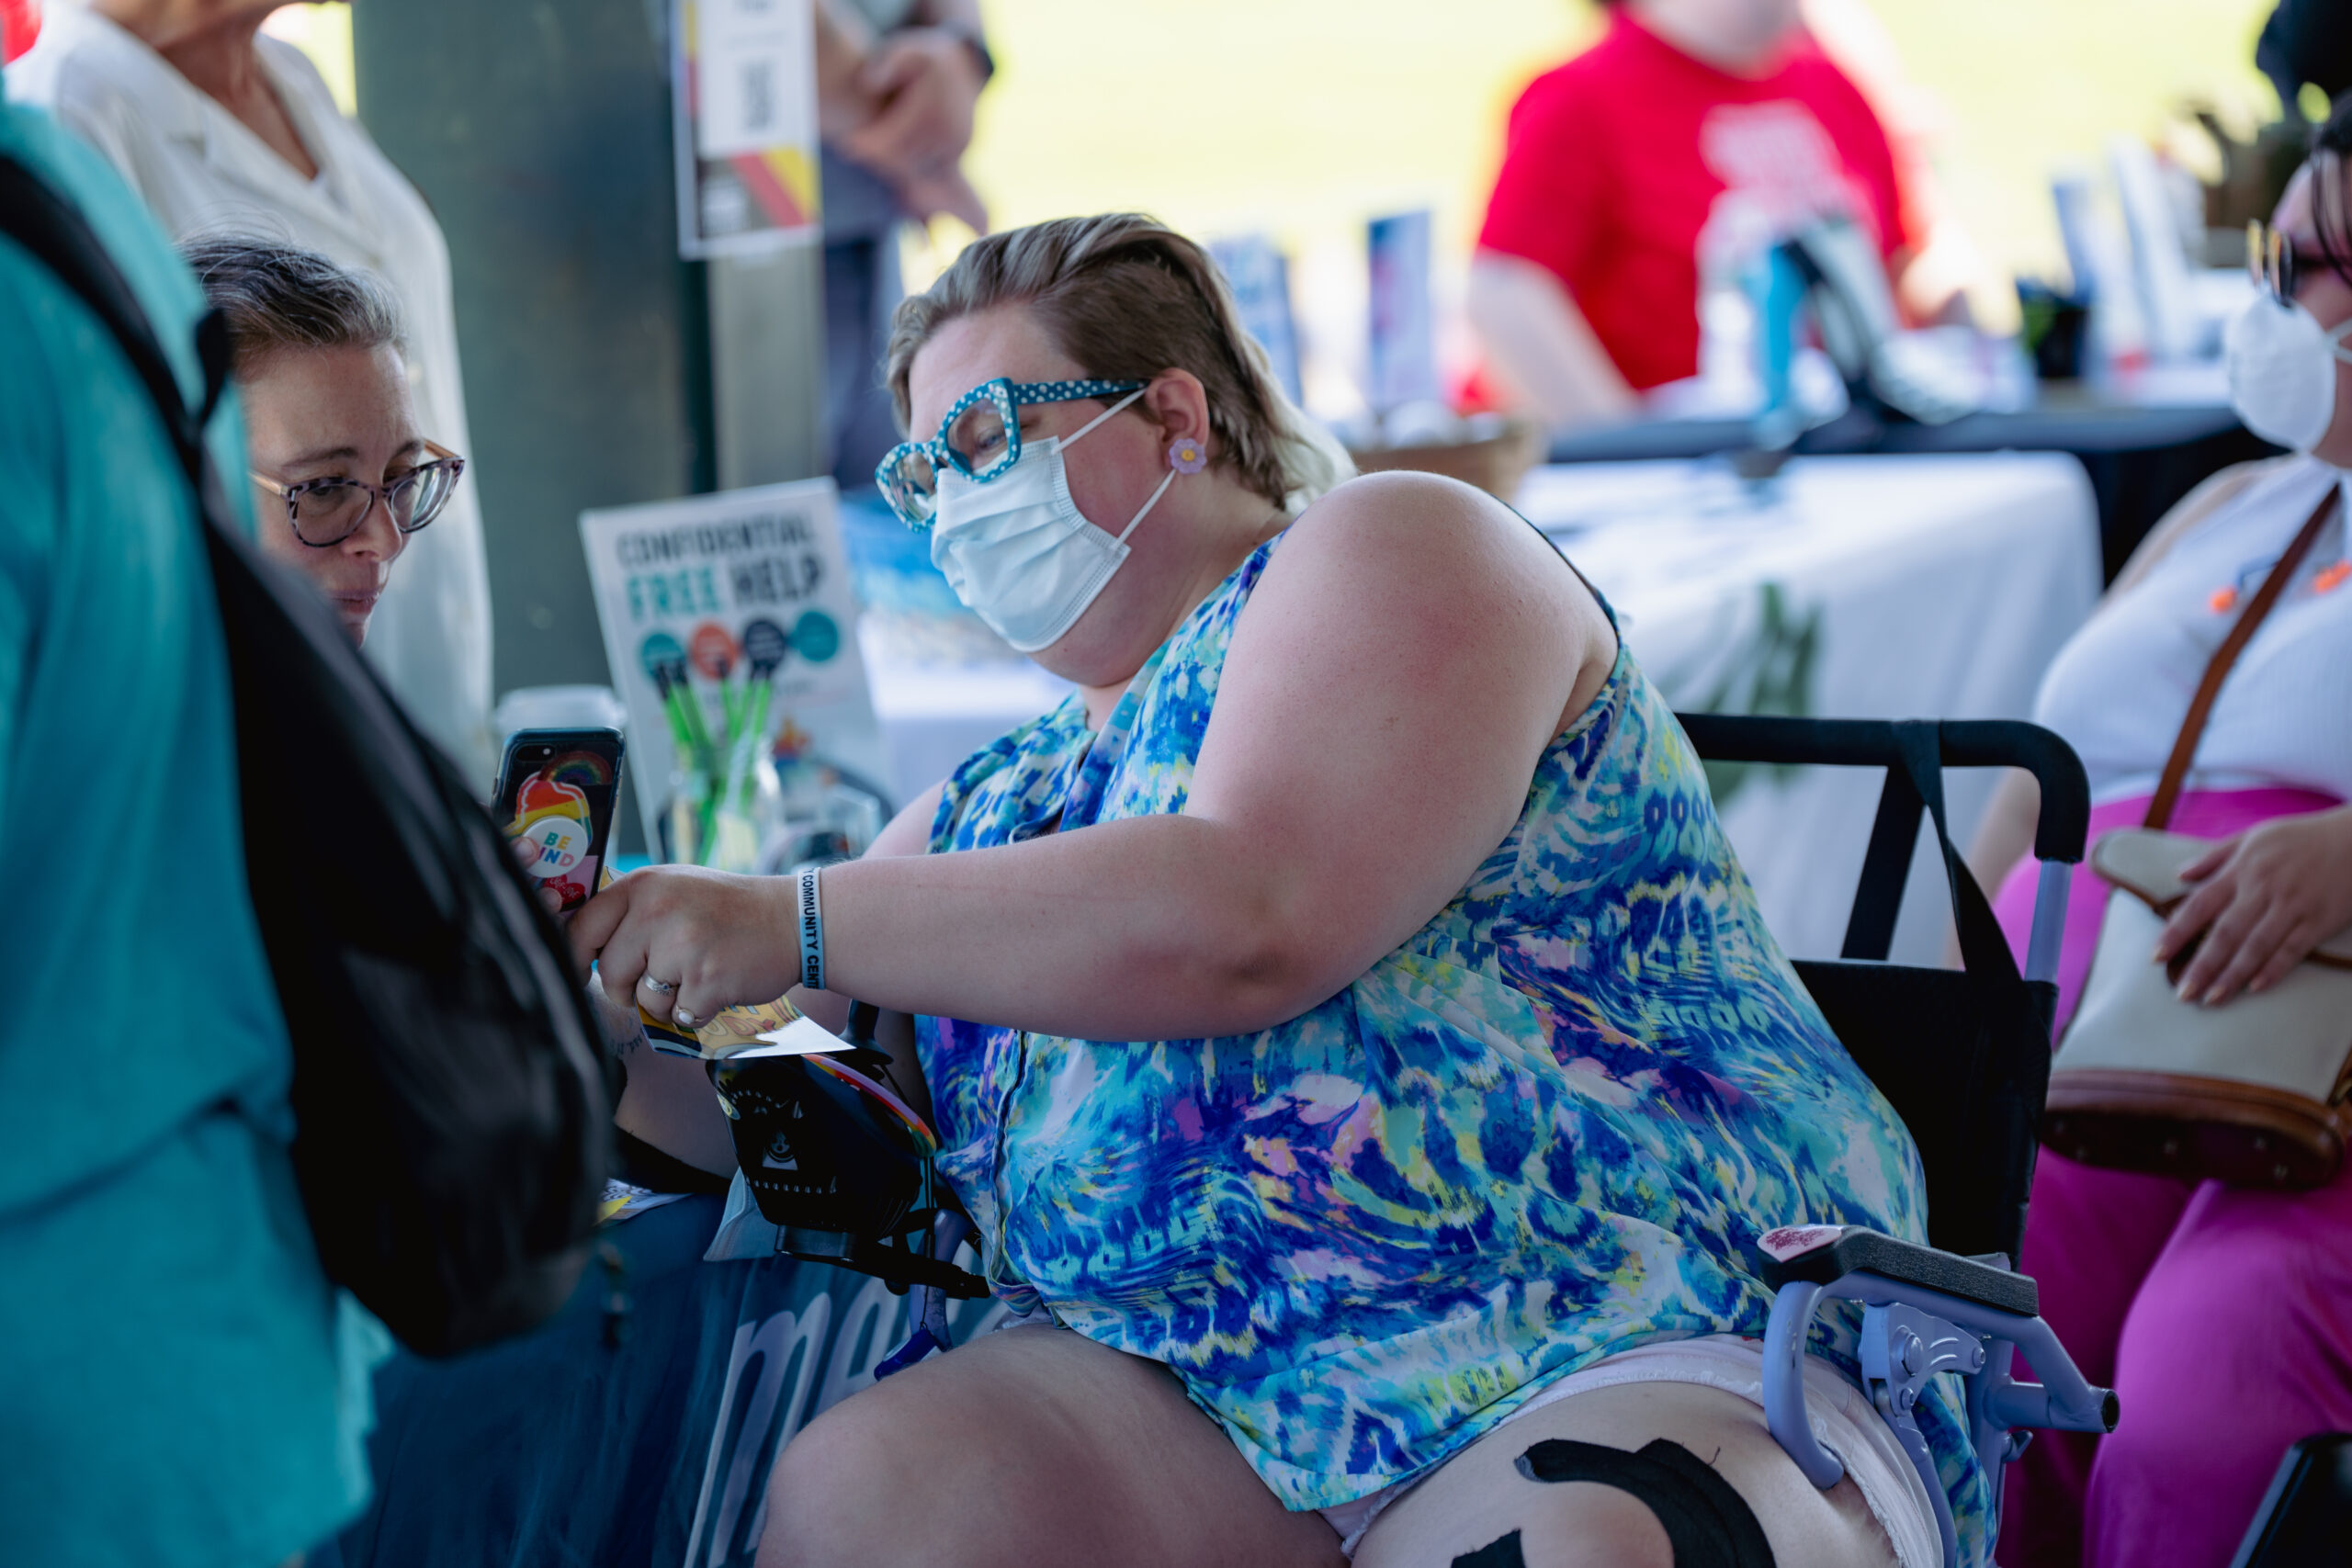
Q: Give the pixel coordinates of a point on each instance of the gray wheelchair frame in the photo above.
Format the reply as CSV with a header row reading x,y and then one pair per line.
x,y
1957,1305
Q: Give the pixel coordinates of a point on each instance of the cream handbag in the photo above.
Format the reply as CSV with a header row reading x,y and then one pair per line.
x,y
2252,1092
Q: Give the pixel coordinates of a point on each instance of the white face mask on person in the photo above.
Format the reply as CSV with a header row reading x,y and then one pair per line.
x,y
2282,371
1019,553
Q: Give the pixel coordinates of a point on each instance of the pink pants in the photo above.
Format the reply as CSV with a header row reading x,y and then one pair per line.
x,y
2222,1317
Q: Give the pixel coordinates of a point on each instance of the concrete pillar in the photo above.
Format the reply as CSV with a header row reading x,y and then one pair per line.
x,y
601,369
768,350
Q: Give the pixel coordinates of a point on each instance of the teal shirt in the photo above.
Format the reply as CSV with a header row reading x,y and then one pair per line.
x,y
171,1387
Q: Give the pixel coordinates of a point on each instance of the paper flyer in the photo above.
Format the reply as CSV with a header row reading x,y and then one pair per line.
x,y
743,95
1402,349
735,1031
709,600
1259,275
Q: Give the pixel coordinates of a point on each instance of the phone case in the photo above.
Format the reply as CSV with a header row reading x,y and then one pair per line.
x,y
564,812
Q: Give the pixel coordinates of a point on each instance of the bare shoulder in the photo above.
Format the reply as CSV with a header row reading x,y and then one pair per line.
x,y
1402,497
1430,537
1438,583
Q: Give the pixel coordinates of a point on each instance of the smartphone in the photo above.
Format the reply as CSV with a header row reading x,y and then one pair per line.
x,y
556,791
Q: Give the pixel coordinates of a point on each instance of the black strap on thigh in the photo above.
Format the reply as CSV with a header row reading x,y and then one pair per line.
x,y
1708,1524
1503,1553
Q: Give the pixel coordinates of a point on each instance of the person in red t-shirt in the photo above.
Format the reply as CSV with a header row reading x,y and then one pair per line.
x,y
1692,134
20,21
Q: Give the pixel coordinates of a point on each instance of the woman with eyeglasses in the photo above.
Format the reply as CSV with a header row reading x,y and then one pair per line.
x,y
341,474
221,127
341,477
1343,1018
2215,1312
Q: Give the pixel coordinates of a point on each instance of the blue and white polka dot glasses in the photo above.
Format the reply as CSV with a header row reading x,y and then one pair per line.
x,y
981,438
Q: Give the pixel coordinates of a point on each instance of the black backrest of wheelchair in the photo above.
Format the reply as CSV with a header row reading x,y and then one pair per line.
x,y
1963,1055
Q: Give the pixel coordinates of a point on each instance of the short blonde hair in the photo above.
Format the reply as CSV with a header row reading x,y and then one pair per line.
x,y
1129,297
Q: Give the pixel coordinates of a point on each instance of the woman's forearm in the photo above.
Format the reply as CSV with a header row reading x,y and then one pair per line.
x,y
668,1104
1546,352
1147,929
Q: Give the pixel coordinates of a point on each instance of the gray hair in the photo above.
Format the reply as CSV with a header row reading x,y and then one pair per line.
x,y
1129,297
278,297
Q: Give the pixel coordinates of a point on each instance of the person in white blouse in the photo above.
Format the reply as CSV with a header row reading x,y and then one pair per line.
x,y
2215,1312
221,130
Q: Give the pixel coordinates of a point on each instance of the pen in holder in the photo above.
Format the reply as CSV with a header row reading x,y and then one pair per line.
x,y
751,795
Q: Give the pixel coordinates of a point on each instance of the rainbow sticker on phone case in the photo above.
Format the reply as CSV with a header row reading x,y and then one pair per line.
x,y
555,824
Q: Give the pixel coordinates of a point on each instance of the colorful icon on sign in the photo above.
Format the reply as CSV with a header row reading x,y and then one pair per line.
x,y
815,636
712,651
660,653
764,645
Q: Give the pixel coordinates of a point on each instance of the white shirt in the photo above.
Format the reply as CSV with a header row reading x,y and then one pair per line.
x,y
201,171
2119,691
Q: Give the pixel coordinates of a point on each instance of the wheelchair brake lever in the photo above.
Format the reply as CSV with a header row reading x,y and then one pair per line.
x,y
1912,1331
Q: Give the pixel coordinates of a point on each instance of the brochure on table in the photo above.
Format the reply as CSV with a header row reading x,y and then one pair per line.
x,y
1401,365
744,583
1259,275
769,1028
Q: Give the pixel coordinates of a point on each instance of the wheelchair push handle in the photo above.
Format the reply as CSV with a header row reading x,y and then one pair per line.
x,y
2064,823
2062,832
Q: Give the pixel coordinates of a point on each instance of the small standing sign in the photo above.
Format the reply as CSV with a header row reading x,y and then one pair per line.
x,y
1402,358
724,601
1259,275
743,95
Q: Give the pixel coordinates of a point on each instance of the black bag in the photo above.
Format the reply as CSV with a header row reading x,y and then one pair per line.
x,y
1962,1054
448,1096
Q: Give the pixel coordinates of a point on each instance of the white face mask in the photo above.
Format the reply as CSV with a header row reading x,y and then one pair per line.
x,y
1017,551
2282,371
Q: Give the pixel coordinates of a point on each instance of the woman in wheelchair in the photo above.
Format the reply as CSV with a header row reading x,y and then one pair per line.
x,y
1343,1018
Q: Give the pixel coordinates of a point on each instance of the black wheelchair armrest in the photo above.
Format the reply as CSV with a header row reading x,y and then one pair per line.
x,y
1822,1255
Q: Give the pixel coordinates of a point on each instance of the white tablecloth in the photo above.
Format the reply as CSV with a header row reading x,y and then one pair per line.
x,y
1895,587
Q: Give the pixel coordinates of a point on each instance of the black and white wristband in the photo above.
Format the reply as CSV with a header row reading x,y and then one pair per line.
x,y
809,910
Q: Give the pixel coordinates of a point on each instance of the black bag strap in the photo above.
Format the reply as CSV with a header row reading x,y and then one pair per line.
x,y
60,238
1916,785
1886,865
2209,687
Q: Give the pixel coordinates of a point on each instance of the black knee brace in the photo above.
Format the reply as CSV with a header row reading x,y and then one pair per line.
x,y
1709,1525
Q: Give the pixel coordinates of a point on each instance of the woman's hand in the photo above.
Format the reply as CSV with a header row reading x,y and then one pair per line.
x,y
714,940
927,82
2265,899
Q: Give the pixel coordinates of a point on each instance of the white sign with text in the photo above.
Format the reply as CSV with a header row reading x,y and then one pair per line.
x,y
705,599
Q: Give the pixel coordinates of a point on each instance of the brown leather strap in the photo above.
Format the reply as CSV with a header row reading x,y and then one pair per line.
x,y
2184,749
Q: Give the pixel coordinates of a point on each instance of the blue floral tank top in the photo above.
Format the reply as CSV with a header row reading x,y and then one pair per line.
x,y
1549,1126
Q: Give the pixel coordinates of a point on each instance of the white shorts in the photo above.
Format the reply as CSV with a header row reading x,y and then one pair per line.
x,y
1842,1417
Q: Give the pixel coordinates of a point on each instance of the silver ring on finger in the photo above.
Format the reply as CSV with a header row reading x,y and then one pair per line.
x,y
659,987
